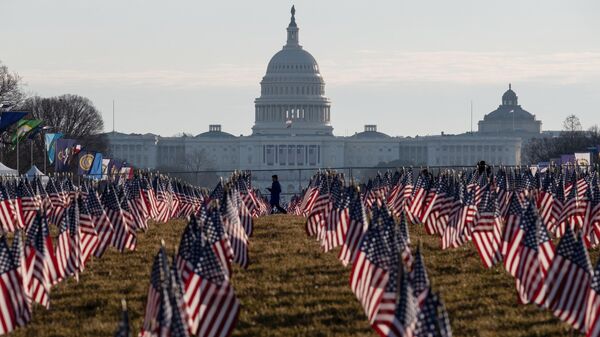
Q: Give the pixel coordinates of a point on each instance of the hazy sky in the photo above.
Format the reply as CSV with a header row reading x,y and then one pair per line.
x,y
412,67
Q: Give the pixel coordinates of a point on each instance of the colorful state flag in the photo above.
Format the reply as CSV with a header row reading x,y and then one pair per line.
x,y
96,169
9,118
105,165
84,164
24,127
64,154
51,139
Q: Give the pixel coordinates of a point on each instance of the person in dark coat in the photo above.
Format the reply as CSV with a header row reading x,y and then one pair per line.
x,y
275,191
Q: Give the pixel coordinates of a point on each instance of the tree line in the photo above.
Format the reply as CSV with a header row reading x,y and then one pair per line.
x,y
571,139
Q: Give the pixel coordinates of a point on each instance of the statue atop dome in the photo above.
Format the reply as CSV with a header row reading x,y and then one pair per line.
x,y
293,19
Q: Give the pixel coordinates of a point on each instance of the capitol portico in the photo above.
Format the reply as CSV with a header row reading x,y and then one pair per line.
x,y
293,130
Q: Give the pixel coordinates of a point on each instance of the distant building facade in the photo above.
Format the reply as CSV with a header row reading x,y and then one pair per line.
x,y
292,130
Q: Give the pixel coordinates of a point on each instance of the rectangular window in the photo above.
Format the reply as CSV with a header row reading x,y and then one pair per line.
x,y
291,156
312,155
318,153
270,154
282,155
300,153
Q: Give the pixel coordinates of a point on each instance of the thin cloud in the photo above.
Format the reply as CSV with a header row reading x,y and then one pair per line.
x,y
366,67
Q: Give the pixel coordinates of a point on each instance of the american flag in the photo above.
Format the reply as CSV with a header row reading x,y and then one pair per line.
x,y
336,224
573,211
15,310
358,224
420,279
18,252
461,222
244,214
135,203
501,188
310,196
124,236
429,205
592,312
236,233
211,303
6,211
316,219
401,321
432,318
436,221
545,201
149,197
594,217
487,235
58,201
417,198
158,313
102,223
40,261
558,198
89,236
162,201
68,250
568,280
379,250
28,202
533,255
213,229
513,219
16,203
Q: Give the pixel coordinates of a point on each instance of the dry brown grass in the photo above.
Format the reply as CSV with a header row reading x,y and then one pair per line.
x,y
291,289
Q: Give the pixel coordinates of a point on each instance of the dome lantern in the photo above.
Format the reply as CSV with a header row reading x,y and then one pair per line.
x,y
510,97
292,31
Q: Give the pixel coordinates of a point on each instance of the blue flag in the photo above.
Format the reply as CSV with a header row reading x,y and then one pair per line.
x,y
51,139
64,154
96,170
86,159
9,118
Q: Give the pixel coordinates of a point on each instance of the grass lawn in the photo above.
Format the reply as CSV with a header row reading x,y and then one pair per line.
x,y
291,288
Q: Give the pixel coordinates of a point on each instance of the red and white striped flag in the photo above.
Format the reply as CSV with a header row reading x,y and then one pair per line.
x,y
211,302
14,309
40,261
569,279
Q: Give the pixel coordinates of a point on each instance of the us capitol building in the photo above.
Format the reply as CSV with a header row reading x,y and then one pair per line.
x,y
293,130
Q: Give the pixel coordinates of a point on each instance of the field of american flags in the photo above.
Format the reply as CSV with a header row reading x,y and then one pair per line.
x,y
291,288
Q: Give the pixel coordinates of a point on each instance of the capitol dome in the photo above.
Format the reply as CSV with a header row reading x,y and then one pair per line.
x,y
295,60
292,99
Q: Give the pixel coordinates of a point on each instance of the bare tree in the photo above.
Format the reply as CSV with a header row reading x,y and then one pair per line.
x,y
10,86
196,163
75,116
572,124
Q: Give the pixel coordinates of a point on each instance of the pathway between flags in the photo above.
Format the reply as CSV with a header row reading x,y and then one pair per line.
x,y
292,289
